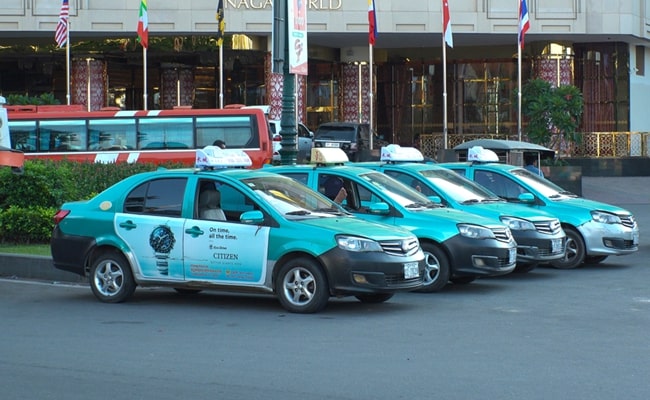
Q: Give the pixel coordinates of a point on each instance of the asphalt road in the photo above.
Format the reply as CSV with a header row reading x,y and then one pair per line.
x,y
548,334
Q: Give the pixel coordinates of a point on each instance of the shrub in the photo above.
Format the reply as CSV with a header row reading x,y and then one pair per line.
x,y
26,225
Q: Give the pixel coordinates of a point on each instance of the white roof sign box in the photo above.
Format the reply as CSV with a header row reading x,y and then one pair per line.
x,y
328,155
479,154
216,157
395,153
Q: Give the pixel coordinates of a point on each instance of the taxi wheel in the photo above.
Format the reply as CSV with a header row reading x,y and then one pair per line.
x,y
301,286
595,259
436,269
110,278
374,298
575,251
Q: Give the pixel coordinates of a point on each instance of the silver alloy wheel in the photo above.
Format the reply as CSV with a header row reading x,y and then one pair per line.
x,y
109,278
299,286
431,269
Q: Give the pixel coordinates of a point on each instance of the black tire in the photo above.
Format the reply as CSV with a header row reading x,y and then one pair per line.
x,y
374,298
525,267
301,286
111,279
463,280
575,251
594,259
436,269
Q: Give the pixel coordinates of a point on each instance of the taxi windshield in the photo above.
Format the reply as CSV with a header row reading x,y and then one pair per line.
x,y
397,191
541,185
458,187
291,198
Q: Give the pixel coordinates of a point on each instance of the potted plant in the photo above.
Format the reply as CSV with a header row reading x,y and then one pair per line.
x,y
554,114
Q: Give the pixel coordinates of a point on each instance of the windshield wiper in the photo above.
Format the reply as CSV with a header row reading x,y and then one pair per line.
x,y
471,201
418,204
330,210
567,193
300,212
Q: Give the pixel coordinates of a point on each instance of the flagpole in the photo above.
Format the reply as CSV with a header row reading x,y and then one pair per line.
x,y
67,62
370,94
144,74
444,93
221,75
519,90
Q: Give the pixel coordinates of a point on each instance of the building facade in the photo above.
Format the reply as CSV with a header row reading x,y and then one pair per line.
x,y
598,48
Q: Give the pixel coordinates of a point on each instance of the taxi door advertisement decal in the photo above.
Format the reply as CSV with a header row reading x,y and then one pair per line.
x,y
156,243
225,252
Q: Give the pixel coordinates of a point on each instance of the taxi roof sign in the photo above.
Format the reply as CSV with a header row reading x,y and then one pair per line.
x,y
395,153
213,157
479,154
328,155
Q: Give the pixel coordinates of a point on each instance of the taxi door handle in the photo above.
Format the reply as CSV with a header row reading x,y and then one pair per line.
x,y
194,231
128,225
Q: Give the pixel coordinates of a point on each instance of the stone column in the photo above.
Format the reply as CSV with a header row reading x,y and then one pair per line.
x,y
274,87
88,83
355,89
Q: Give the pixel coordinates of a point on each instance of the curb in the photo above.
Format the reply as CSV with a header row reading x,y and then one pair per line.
x,y
34,267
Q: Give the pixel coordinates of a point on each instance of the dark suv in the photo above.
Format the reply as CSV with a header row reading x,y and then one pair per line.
x,y
352,137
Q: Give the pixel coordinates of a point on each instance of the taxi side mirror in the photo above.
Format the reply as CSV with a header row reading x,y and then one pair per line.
x,y
435,199
254,217
527,198
378,209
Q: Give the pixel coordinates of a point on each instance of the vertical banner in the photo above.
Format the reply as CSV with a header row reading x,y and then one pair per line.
x,y
297,17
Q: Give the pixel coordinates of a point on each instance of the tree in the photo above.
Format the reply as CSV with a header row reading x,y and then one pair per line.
x,y
553,114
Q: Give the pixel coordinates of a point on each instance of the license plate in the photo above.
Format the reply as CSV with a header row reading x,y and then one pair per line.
x,y
635,238
512,256
556,246
327,144
411,270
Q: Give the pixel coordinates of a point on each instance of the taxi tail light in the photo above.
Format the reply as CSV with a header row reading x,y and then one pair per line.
x,y
58,217
277,138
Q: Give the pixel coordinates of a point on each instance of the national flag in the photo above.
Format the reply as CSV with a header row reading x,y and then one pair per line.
x,y
524,22
446,24
143,25
61,33
222,23
372,22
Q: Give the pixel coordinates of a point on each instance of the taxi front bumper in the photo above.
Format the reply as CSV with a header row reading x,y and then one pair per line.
x,y
481,257
609,239
351,273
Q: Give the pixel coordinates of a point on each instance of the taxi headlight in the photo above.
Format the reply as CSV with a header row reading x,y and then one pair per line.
x,y
354,243
475,231
518,224
605,217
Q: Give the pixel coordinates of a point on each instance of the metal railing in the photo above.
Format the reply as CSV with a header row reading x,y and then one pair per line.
x,y
591,144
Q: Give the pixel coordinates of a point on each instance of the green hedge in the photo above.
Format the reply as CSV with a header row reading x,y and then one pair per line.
x,y
28,201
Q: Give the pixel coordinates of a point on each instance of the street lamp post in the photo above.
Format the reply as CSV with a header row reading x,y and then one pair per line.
x,y
288,151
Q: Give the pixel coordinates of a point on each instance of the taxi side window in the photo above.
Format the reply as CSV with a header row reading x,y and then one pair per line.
x,y
415,183
157,197
300,177
498,184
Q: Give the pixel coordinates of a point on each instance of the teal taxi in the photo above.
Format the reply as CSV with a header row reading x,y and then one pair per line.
x,y
231,229
539,235
458,246
594,230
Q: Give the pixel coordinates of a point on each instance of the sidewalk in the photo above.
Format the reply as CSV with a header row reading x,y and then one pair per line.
x,y
631,193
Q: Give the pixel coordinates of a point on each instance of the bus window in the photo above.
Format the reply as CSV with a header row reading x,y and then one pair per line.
x,y
111,134
236,130
23,135
165,133
62,135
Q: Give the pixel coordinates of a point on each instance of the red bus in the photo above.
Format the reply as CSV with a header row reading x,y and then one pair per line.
x,y
111,135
